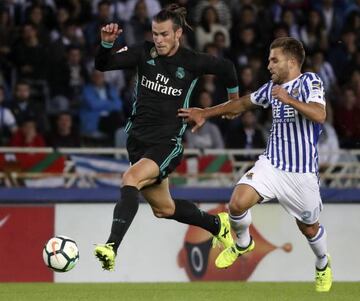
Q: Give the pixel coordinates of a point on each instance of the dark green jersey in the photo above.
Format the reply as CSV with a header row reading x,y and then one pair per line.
x,y
164,84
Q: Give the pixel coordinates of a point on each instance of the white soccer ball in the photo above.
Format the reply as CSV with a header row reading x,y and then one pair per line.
x,y
61,253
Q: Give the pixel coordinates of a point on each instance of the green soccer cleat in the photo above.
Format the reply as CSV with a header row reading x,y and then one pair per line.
x,y
227,257
323,278
224,237
106,255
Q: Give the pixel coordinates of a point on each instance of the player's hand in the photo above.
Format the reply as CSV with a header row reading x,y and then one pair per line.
x,y
193,115
110,32
281,94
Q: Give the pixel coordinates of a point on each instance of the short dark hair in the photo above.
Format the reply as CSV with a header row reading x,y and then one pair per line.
x,y
175,13
290,46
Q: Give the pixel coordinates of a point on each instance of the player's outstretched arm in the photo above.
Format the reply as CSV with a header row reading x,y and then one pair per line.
x,y
232,107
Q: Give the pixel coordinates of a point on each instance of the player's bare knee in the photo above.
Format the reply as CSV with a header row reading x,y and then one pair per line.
x,y
309,231
236,207
130,179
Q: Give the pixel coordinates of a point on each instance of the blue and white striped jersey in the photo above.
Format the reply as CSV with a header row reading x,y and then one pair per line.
x,y
292,144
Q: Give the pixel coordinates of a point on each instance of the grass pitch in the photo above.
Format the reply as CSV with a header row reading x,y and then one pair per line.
x,y
195,291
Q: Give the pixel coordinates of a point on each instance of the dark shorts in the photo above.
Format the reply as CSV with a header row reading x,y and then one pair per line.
x,y
166,155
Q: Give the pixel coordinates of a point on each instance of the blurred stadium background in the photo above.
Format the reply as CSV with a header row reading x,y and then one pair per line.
x,y
58,176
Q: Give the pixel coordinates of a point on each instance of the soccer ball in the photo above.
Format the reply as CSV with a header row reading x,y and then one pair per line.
x,y
61,253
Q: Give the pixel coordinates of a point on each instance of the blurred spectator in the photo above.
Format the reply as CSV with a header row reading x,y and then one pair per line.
x,y
352,23
209,25
7,120
101,108
352,6
36,18
244,46
342,55
313,32
280,5
328,141
80,11
347,120
70,76
354,83
138,25
30,56
27,135
221,43
46,15
289,18
153,7
280,30
245,135
212,49
246,80
7,34
260,74
64,134
70,35
325,71
247,17
237,6
332,16
208,136
23,107
92,29
221,8
62,16
213,85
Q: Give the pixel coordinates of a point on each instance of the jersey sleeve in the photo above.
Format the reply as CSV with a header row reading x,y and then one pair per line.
x,y
222,68
313,89
125,58
261,96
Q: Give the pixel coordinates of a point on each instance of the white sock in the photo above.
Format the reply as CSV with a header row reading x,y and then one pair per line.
x,y
240,224
319,247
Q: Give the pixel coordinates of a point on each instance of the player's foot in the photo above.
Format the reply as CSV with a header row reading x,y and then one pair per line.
x,y
323,278
227,257
106,255
224,237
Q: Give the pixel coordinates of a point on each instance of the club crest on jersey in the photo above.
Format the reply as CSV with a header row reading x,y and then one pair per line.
x,y
295,92
153,52
180,73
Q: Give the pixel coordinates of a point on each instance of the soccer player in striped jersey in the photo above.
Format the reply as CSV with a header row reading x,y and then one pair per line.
x,y
288,169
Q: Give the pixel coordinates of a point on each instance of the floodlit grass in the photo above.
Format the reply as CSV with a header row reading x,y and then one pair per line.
x,y
195,291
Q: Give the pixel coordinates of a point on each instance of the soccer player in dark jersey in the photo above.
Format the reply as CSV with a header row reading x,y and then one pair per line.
x,y
166,77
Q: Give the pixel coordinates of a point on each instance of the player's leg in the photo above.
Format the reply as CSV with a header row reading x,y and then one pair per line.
x,y
317,239
253,187
243,198
183,211
144,172
299,194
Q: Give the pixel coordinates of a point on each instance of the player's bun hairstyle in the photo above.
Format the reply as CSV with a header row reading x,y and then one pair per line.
x,y
290,46
175,13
